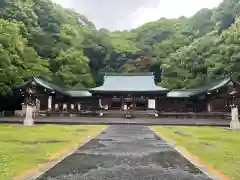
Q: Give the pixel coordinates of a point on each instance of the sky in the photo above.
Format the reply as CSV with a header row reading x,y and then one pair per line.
x,y
128,14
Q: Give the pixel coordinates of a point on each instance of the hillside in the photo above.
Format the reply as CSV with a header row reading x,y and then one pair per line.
x,y
38,37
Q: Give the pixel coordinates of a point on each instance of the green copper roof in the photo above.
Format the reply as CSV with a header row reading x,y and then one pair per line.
x,y
214,85
78,91
49,85
131,82
141,82
182,93
77,94
219,84
42,83
53,87
78,87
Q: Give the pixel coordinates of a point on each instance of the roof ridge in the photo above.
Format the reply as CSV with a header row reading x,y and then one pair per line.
x,y
225,76
47,81
130,74
50,85
81,90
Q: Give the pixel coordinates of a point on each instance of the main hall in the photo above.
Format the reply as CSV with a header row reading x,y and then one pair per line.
x,y
128,92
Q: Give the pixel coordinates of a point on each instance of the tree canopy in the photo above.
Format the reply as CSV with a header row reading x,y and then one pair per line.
x,y
41,38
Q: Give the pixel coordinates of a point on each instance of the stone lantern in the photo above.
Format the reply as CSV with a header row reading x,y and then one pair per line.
x,y
30,101
234,124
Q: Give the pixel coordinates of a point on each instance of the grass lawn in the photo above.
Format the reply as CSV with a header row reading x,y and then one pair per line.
x,y
23,148
217,147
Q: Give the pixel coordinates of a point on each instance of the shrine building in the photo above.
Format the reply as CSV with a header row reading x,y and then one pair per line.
x,y
120,91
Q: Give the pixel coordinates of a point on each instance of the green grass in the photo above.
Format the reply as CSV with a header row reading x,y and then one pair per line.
x,y
217,147
23,148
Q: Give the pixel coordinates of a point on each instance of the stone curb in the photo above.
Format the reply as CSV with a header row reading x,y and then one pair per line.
x,y
47,166
196,161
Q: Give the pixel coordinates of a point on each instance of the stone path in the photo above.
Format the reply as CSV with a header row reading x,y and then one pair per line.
x,y
121,121
125,152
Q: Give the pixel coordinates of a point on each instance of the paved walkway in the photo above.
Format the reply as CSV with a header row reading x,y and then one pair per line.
x,y
125,152
112,121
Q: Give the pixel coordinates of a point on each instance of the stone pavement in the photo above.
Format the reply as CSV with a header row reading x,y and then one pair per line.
x,y
113,121
125,152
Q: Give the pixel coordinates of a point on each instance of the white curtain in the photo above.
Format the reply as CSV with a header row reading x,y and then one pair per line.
x,y
50,103
100,103
151,104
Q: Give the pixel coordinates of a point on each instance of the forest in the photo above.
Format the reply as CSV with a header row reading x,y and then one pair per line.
x,y
41,38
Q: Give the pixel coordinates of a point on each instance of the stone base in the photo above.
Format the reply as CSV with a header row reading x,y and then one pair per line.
x,y
235,125
28,121
73,115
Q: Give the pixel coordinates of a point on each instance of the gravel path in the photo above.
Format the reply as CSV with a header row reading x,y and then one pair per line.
x,y
125,152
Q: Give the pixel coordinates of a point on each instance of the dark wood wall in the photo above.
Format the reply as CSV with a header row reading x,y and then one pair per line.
x,y
180,105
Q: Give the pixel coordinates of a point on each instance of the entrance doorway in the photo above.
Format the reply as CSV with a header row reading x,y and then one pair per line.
x,y
141,104
116,104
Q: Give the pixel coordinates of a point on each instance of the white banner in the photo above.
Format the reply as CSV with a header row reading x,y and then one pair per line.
x,y
50,103
79,107
100,103
151,104
56,107
64,106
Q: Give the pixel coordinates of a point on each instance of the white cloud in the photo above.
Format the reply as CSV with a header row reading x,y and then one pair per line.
x,y
172,9
125,14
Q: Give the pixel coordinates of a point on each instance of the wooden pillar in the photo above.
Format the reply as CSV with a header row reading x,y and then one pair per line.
x,y
122,102
60,108
134,103
109,103
146,104
156,103
157,99
68,106
96,104
53,103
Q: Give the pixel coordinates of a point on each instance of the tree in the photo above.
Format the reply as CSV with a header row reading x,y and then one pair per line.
x,y
74,68
17,60
42,38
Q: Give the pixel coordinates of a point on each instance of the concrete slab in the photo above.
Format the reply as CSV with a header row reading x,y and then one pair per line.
x,y
125,152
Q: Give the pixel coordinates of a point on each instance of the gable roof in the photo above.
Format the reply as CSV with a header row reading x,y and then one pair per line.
x,y
78,91
49,86
78,87
214,85
130,82
53,87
